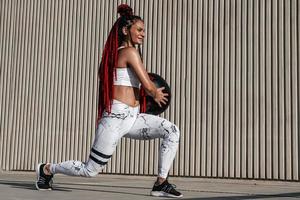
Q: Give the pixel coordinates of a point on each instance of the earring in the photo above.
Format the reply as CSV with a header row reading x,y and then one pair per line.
x,y
125,30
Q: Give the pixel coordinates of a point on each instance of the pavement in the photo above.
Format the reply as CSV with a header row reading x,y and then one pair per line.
x,y
19,185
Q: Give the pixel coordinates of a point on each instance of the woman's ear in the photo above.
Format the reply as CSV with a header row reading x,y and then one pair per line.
x,y
125,30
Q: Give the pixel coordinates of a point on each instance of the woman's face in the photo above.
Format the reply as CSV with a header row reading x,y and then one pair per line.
x,y
137,32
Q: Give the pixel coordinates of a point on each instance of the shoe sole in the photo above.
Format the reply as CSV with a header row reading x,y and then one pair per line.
x,y
164,194
37,171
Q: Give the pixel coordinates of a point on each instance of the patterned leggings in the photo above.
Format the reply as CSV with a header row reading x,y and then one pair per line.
x,y
124,121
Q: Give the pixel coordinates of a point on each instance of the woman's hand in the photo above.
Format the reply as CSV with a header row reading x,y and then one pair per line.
x,y
160,97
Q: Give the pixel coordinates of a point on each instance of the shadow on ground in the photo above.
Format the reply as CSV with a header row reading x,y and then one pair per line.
x,y
80,187
249,196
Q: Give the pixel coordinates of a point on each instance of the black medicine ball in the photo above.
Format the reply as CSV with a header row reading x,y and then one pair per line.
x,y
151,106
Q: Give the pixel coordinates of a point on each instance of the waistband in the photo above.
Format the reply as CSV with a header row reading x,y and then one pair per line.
x,y
120,105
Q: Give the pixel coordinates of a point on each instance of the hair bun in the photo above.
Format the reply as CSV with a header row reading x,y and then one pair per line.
x,y
124,10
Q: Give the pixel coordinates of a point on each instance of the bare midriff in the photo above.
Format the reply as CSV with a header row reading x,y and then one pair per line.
x,y
126,94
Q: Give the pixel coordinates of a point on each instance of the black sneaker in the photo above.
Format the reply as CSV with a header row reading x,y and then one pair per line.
x,y
165,190
43,182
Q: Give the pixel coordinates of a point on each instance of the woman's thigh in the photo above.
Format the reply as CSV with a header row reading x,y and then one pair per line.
x,y
148,127
110,129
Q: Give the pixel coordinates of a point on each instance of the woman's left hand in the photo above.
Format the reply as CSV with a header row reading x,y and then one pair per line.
x,y
160,97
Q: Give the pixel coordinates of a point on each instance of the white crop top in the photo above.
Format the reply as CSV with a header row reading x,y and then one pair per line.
x,y
126,77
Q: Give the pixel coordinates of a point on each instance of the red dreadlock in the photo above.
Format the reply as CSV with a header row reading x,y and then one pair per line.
x,y
107,70
109,63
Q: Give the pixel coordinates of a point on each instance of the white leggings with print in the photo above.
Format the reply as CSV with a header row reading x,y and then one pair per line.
x,y
124,121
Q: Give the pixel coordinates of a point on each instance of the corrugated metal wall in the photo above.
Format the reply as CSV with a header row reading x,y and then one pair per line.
x,y
233,67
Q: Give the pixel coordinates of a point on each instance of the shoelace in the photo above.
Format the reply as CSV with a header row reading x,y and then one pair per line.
x,y
169,187
44,180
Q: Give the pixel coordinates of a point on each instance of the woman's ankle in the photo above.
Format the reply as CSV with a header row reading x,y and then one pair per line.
x,y
46,169
160,180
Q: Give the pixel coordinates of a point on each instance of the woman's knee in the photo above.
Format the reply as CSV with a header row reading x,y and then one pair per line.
x,y
92,169
91,173
97,160
175,133
172,132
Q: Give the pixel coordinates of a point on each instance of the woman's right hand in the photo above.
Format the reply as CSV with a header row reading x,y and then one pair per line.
x,y
160,97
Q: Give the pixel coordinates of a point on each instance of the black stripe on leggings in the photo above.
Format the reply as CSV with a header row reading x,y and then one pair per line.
x,y
100,154
97,161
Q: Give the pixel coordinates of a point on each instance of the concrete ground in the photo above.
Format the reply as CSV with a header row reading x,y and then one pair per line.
x,y
20,186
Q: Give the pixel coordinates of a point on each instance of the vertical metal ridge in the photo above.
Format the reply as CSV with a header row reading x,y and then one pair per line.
x,y
18,87
256,137
32,99
210,80
25,89
3,86
16,106
226,134
298,84
244,90
238,89
204,92
262,102
8,64
281,93
294,91
275,130
11,64
193,106
226,88
249,96
232,100
62,89
185,88
215,88
198,89
221,93
269,101
175,109
2,83
288,89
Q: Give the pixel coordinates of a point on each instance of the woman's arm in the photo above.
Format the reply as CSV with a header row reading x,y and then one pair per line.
x,y
133,59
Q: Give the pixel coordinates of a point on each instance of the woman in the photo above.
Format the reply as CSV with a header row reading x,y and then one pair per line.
x,y
121,74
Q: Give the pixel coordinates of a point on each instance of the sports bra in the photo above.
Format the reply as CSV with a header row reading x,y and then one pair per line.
x,y
126,77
